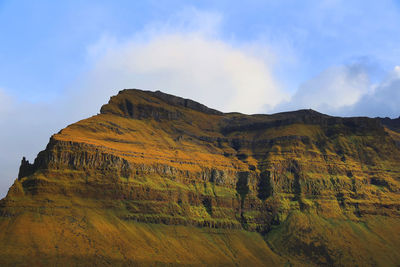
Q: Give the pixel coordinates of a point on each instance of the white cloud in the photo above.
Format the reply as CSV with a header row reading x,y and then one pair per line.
x,y
190,65
347,91
193,64
383,101
332,90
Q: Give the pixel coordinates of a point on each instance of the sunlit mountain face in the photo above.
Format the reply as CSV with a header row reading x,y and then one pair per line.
x,y
155,179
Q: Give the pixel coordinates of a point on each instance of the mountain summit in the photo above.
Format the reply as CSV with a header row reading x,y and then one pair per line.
x,y
156,179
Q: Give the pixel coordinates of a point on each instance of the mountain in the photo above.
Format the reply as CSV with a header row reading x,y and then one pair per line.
x,y
156,179
392,126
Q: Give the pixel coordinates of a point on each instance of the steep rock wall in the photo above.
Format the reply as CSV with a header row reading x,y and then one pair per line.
x,y
155,158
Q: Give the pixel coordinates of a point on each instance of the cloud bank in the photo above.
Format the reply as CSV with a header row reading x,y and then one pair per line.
x,y
190,62
347,90
190,65
383,100
331,91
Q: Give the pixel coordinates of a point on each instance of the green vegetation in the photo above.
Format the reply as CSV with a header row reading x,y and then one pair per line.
x,y
159,180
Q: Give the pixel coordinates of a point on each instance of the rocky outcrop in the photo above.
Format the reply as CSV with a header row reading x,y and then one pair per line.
x,y
392,124
151,108
26,168
155,158
187,103
329,164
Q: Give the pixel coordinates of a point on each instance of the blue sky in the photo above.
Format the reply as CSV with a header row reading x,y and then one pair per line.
x,y
45,42
60,60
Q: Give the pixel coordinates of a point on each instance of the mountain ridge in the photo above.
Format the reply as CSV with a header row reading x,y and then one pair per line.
x,y
308,187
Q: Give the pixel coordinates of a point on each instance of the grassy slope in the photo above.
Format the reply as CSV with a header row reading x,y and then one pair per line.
x,y
92,236
73,219
372,241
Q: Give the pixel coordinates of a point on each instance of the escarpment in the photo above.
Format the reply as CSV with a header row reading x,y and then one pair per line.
x,y
311,185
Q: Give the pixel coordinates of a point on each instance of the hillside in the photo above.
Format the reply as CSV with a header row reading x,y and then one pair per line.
x,y
155,179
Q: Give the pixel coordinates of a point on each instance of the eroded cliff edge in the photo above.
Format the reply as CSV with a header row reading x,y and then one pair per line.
x,y
319,189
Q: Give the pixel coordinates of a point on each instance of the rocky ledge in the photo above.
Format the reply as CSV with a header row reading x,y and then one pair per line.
x,y
156,158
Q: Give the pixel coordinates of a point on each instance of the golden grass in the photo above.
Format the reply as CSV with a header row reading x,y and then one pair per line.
x,y
331,199
88,237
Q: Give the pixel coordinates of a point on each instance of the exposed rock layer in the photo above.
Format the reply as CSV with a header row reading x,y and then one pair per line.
x,y
150,157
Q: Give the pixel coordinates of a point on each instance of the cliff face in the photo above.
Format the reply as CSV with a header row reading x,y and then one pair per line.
x,y
313,188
